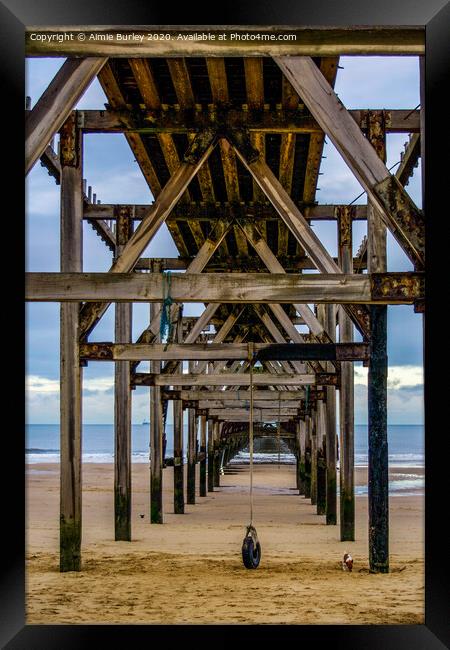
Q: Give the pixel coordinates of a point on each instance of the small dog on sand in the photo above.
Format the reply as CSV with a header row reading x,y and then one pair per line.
x,y
347,564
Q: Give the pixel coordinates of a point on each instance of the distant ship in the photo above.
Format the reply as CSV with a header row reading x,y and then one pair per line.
x,y
145,422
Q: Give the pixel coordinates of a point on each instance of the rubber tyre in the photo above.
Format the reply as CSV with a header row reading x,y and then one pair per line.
x,y
251,555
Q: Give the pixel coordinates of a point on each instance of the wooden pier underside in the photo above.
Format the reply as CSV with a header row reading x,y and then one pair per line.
x,y
231,149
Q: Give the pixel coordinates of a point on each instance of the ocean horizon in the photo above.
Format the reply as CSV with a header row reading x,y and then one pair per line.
x,y
406,446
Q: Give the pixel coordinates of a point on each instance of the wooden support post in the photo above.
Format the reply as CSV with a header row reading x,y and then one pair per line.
x,y
314,443
330,444
178,470
192,435
70,371
301,452
378,470
156,473
321,462
210,455
346,392
203,483
122,405
308,456
217,453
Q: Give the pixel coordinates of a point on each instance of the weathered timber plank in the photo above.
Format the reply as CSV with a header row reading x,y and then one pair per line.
x,y
203,211
292,216
381,288
217,350
55,104
70,371
234,379
399,213
306,41
170,119
162,206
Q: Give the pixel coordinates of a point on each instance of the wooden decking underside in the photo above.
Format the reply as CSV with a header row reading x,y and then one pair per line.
x,y
223,186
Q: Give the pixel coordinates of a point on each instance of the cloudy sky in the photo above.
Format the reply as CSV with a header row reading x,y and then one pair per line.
x,y
110,168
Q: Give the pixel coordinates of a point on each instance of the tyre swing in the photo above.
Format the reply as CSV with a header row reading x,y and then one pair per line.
x,y
251,548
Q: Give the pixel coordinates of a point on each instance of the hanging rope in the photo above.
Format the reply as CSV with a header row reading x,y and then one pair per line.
x,y
251,548
165,325
250,358
278,429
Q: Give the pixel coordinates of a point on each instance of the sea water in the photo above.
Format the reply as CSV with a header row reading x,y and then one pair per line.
x,y
406,445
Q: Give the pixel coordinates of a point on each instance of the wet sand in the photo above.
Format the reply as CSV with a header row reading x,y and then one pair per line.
x,y
189,570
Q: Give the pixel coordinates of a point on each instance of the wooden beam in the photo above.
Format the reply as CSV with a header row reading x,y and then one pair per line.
x,y
203,487
56,103
197,265
174,119
399,213
219,350
117,101
379,288
204,211
192,450
378,458
70,371
346,397
237,396
305,40
194,158
328,67
234,379
291,215
244,404
122,407
330,442
178,443
156,461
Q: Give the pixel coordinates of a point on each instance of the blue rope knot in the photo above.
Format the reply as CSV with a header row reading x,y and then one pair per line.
x,y
165,325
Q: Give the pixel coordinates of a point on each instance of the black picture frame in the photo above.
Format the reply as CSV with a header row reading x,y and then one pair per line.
x,y
434,15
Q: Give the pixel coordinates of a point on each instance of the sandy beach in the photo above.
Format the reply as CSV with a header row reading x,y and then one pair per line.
x,y
189,570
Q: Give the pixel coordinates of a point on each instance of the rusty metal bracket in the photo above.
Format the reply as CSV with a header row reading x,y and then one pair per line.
x,y
411,220
199,145
97,351
345,215
402,287
240,139
69,141
376,132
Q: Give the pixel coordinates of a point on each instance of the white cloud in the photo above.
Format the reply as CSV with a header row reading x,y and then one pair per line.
x,y
42,385
398,376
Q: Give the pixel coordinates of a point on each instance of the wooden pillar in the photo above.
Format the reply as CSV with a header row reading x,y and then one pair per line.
x,y
203,482
217,453
71,153
313,421
122,402
321,463
301,452
192,437
210,455
346,392
378,470
156,470
330,424
178,469
308,456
